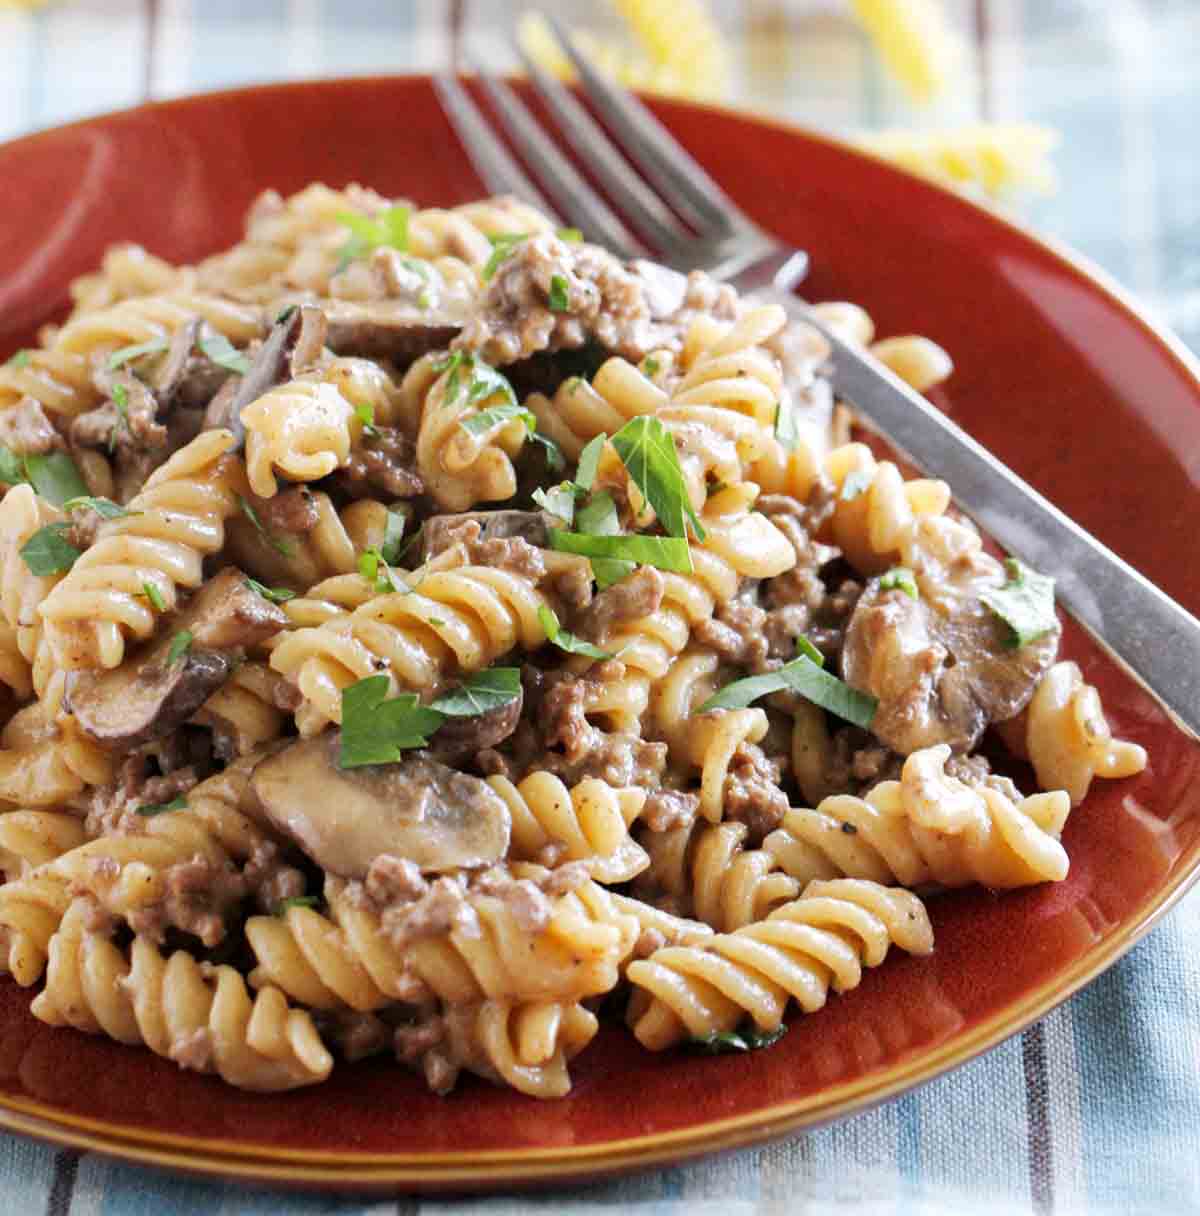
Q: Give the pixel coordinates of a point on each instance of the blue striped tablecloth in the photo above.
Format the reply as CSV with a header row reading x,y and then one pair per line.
x,y
1095,1110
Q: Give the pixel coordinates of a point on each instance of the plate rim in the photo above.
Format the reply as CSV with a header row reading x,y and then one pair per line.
x,y
478,1170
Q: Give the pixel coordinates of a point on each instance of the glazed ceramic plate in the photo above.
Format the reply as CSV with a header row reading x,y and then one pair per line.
x,y
1056,373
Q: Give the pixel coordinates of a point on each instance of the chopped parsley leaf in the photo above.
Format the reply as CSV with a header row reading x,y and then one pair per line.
x,y
376,730
126,353
180,644
1025,603
559,297
503,243
178,803
802,675
647,449
276,595
564,640
48,551
152,593
104,507
285,548
900,578
481,693
55,477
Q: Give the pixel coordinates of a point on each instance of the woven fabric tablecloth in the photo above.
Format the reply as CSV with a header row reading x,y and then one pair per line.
x,y
1097,1108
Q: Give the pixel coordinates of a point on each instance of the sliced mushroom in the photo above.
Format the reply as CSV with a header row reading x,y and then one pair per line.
x,y
391,330
458,738
310,339
268,369
150,695
173,366
940,665
533,527
439,819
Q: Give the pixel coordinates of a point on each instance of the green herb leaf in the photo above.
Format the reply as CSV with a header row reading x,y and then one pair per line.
x,y
801,676
1025,603
120,399
558,500
47,551
650,366
297,901
497,415
565,640
559,295
555,460
751,1038
126,353
152,593
503,243
277,595
393,534
599,517
900,578
104,507
389,230
376,730
589,462
223,353
647,450
18,360
12,467
809,651
180,644
608,570
366,415
571,235
787,427
283,314
483,692
286,548
376,571
858,481
55,477
178,803
663,552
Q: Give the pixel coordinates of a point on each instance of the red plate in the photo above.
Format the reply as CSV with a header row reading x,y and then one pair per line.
x,y
1057,374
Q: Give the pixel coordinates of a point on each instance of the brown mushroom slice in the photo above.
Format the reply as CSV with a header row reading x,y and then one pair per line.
x,y
941,669
389,330
439,819
153,692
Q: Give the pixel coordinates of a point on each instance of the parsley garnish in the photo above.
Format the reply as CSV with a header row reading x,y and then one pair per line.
x,y
178,803
564,640
599,518
497,415
900,578
126,353
559,296
104,507
276,595
224,354
180,644
48,551
376,571
376,730
803,675
503,243
483,692
1025,603
482,382
558,500
571,235
647,450
589,462
858,481
152,593
721,1042
663,552
55,477
390,549
366,415
787,428
284,547
297,901
555,460
18,360
390,230
120,398
12,467
650,365
284,313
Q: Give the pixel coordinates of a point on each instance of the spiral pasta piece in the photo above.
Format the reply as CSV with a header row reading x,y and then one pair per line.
x,y
29,839
172,525
526,1046
243,711
450,623
46,760
462,467
125,271
588,823
300,430
1065,736
198,1015
927,829
823,939
347,960
707,872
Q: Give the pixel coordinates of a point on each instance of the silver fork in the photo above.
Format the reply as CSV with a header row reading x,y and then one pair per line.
x,y
1153,637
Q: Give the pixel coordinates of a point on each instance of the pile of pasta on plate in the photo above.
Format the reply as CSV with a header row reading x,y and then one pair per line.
x,y
418,626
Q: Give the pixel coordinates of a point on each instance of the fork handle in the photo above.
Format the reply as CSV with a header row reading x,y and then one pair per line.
x,y
1153,637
